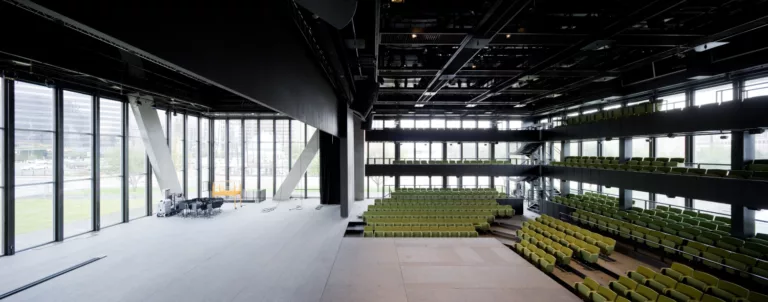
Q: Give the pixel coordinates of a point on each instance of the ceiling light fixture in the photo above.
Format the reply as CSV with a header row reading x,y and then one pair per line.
x,y
508,36
471,105
413,36
418,105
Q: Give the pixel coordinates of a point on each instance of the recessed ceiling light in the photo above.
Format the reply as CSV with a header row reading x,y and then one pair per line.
x,y
488,112
20,63
418,105
508,36
413,36
411,112
471,105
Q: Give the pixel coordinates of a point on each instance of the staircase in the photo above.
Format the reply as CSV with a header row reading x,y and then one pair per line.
x,y
529,149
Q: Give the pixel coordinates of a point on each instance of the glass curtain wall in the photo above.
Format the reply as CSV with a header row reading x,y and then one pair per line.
x,y
111,164
137,171
251,157
205,157
193,143
219,154
235,143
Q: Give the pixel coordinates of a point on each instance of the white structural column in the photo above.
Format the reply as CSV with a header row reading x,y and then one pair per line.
x,y
154,142
298,168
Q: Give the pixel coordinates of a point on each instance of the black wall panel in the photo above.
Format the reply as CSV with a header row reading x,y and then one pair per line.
x,y
453,135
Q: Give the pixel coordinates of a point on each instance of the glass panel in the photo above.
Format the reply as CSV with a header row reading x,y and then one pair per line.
x,y
712,149
422,124
34,107
755,88
589,148
390,124
407,151
761,146
722,93
454,151
640,147
406,181
573,149
500,150
235,155
710,206
483,151
205,144
483,124
34,215
298,142
157,193
281,151
267,149
389,152
675,101
640,199
437,182
666,200
613,191
670,147
515,124
77,186
437,151
468,182
469,150
407,124
422,182
468,124
177,146
377,124
219,153
192,157
437,124
483,182
422,150
137,171
611,148
453,124
375,153
251,157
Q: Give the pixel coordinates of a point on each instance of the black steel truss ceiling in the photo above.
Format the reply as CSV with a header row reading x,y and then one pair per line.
x,y
536,56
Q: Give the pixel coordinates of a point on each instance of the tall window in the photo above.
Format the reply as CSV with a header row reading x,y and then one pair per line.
x,y
219,154
177,146
483,181
611,148
422,150
670,147
34,164
298,142
157,192
589,148
755,88
501,150
407,181
469,150
78,142
282,155
137,171
712,151
235,154
313,173
251,157
469,181
267,149
407,151
454,151
422,124
675,101
437,151
640,199
468,124
612,191
422,181
205,157
484,124
515,124
111,164
717,94
483,151
453,124
573,148
761,146
2,160
389,151
641,147
437,124
407,124
193,191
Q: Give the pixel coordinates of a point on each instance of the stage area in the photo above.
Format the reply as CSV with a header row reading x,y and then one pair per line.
x,y
436,269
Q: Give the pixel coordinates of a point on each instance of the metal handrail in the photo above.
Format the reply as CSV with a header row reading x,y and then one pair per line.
x,y
390,161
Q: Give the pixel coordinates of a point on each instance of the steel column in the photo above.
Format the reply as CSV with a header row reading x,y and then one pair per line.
x,y
9,198
124,169
96,164
58,168
226,154
199,158
274,156
184,168
242,158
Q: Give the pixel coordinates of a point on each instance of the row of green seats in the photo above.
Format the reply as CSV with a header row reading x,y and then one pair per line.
x,y
497,210
538,256
635,110
588,252
443,189
472,197
601,159
420,231
755,172
453,162
606,245
561,252
479,223
689,241
435,202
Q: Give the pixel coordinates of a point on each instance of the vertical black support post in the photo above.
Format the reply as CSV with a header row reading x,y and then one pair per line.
x,y
565,186
306,139
149,185
397,157
226,154
96,164
689,148
274,156
9,198
625,153
742,152
330,189
652,154
184,154
124,166
445,159
58,170
211,159
258,156
242,157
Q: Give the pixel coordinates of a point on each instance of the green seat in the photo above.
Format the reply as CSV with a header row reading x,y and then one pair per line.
x,y
603,294
716,256
586,288
661,283
729,291
623,286
701,281
643,293
677,271
547,263
684,292
730,243
641,274
708,298
741,262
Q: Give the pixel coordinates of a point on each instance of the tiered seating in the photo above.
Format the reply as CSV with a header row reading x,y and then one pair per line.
x,y
434,213
639,109
455,162
558,235
757,169
675,283
663,229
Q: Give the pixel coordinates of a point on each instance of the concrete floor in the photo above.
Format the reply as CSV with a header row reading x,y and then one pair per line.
x,y
283,255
